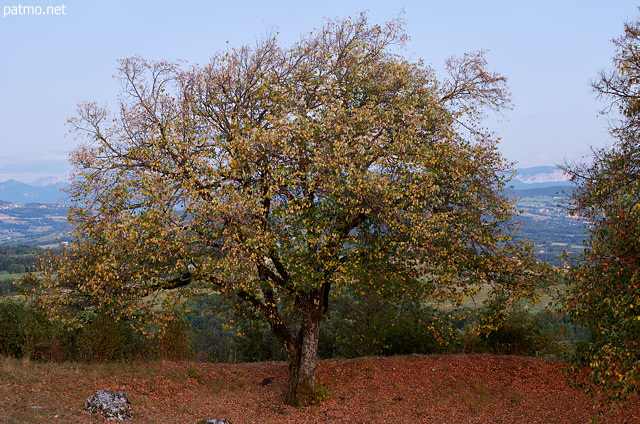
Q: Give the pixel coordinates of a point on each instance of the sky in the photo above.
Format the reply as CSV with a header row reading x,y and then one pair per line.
x,y
548,50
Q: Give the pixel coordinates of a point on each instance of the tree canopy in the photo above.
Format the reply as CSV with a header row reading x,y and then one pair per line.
x,y
277,175
606,293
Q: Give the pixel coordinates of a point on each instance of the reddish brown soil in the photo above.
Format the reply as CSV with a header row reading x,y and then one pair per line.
x,y
470,389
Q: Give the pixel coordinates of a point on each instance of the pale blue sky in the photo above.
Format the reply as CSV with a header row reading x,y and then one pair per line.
x,y
549,50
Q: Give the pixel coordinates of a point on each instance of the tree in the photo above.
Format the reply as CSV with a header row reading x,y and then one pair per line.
x,y
277,175
605,295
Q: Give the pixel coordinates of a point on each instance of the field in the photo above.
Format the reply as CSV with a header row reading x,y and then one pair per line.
x,y
434,389
4,276
33,224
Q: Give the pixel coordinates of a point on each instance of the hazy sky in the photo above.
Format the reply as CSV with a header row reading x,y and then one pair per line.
x,y
549,50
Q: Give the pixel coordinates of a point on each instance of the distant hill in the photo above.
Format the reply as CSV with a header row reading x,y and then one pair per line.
x,y
50,181
539,177
48,189
21,193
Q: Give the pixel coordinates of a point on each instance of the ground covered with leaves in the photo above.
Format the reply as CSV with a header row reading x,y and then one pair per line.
x,y
416,388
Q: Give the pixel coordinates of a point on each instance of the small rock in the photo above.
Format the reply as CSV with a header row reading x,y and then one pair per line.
x,y
267,380
214,421
112,406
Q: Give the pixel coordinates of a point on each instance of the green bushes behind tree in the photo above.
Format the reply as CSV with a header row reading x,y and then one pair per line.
x,y
357,325
26,331
522,333
371,324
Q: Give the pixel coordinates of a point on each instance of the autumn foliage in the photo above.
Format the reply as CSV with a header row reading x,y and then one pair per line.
x,y
606,293
280,175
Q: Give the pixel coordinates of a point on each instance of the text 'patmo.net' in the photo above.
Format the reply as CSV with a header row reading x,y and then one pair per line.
x,y
22,10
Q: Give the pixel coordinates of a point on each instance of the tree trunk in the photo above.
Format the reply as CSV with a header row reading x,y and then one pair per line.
x,y
301,388
302,349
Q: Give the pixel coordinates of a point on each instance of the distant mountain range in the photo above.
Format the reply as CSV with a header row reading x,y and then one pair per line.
x,y
539,177
48,189
44,190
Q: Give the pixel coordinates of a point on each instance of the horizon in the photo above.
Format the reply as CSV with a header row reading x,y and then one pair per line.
x,y
46,180
548,51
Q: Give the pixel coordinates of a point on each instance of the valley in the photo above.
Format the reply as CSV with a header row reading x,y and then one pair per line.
x,y
539,193
33,224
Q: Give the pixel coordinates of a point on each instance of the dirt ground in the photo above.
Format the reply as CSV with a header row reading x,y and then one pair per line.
x,y
470,389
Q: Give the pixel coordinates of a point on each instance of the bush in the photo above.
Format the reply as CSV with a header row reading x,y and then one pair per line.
x,y
521,333
371,324
7,286
237,336
254,342
105,338
356,325
26,332
16,269
174,339
210,336
14,319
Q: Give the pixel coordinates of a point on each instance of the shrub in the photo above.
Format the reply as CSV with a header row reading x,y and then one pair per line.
x,y
25,331
241,336
106,338
371,324
174,340
14,319
521,333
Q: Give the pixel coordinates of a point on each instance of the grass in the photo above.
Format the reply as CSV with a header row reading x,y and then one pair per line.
x,y
5,276
477,301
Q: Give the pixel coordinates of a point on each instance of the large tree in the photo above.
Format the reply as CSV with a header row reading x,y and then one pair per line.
x,y
277,175
606,292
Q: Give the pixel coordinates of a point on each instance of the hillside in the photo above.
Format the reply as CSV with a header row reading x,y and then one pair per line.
x,y
51,189
435,389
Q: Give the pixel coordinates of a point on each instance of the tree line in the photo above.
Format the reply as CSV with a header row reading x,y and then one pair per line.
x,y
15,261
18,259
